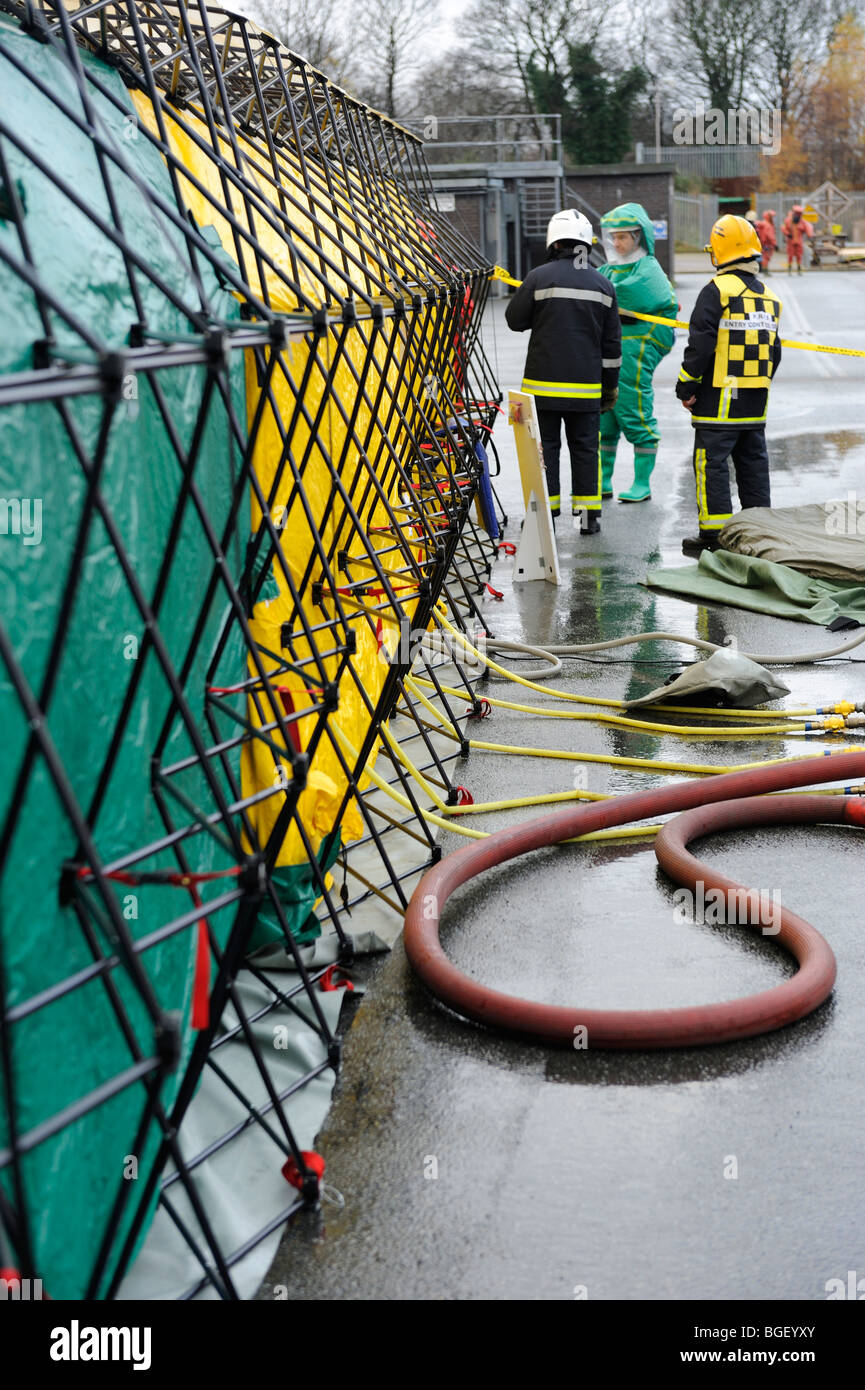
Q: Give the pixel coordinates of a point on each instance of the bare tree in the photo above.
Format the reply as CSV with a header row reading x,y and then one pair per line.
x,y
392,32
791,48
717,41
503,38
315,29
454,87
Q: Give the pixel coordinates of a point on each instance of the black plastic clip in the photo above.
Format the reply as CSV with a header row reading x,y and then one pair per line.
x,y
168,1039
112,369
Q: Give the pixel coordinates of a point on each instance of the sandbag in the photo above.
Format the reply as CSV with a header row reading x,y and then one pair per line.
x,y
825,540
726,678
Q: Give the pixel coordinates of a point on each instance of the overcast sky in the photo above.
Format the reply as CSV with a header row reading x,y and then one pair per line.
x,y
440,37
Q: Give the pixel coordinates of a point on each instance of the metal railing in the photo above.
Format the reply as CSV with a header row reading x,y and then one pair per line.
x,y
517,139
706,161
694,214
538,202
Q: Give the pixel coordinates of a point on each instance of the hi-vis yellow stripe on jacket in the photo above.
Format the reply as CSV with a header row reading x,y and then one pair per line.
x,y
575,348
733,351
574,390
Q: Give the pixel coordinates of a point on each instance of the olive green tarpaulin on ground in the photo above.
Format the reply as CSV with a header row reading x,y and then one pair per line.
x,y
62,1052
763,587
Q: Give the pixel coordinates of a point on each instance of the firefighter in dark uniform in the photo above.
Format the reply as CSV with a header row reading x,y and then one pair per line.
x,y
572,365
733,353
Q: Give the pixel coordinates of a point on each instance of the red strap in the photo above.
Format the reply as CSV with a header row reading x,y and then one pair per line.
x,y
159,876
329,981
201,983
235,689
496,593
201,980
288,705
483,712
367,590
507,548
464,797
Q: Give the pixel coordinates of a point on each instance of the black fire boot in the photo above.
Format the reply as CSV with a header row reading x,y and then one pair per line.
x,y
707,540
591,523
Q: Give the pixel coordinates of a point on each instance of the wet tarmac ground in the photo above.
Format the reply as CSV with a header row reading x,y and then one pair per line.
x,y
479,1167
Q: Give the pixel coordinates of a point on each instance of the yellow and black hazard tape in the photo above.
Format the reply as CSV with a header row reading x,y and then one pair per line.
x,y
499,274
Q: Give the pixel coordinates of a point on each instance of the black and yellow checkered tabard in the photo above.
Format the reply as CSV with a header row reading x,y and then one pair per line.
x,y
746,334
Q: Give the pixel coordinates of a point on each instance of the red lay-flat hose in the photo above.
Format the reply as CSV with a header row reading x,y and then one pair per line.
x,y
647,1028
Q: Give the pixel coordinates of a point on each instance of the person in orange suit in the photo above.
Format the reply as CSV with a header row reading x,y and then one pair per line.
x,y
765,230
796,229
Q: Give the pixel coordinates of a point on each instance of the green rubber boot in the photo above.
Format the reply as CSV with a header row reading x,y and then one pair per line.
x,y
608,463
639,491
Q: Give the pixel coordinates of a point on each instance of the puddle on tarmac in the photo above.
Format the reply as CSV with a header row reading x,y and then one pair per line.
x,y
817,453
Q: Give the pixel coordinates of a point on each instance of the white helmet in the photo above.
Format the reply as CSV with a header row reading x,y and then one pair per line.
x,y
569,225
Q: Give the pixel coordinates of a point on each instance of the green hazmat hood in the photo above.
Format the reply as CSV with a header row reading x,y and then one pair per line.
x,y
630,215
641,285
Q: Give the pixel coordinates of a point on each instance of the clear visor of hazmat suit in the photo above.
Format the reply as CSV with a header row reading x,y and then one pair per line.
x,y
624,245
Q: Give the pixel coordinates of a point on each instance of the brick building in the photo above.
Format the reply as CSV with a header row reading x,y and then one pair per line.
x,y
501,192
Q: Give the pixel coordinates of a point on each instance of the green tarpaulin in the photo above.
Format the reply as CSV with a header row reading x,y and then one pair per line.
x,y
63,1051
741,581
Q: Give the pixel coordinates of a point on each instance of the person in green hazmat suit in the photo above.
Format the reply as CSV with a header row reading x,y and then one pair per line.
x,y
641,285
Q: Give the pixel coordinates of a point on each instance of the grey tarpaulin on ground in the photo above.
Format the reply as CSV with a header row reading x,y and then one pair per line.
x,y
726,678
763,587
825,540
241,1184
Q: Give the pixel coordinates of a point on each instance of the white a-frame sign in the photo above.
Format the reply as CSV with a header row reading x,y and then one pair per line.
x,y
537,557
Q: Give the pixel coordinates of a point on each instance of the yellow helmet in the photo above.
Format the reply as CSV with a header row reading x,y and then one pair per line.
x,y
733,239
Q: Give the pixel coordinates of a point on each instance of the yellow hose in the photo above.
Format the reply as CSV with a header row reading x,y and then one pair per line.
x,y
622,722
378,781
585,699
631,832
444,814
445,822
623,833
521,680
664,708
840,707
650,764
